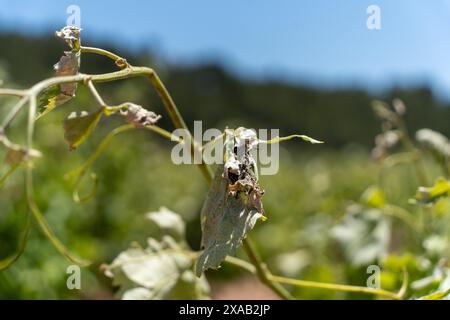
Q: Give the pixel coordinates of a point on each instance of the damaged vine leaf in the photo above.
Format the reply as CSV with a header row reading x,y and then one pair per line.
x,y
138,116
163,270
429,195
233,204
67,65
79,125
16,154
71,35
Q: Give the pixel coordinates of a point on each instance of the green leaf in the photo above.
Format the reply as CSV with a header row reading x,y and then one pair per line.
x,y
78,126
373,197
363,235
440,189
439,295
49,99
168,221
163,270
226,219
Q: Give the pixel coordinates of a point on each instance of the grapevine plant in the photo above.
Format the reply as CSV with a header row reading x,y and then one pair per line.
x,y
233,204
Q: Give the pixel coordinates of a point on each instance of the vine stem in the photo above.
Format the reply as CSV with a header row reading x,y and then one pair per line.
x,y
95,93
14,92
334,286
120,62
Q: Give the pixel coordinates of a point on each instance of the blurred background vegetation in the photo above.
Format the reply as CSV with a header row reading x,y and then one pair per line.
x,y
313,204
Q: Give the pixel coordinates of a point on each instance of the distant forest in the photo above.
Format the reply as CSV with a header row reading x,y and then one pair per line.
x,y
210,93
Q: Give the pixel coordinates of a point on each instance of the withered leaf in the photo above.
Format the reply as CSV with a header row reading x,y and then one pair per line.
x,y
55,96
17,154
138,116
226,219
71,35
68,65
79,125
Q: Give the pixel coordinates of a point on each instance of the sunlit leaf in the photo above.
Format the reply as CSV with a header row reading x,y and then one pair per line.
x,y
233,204
363,235
440,189
49,99
226,219
373,197
168,221
439,295
78,126
157,272
57,95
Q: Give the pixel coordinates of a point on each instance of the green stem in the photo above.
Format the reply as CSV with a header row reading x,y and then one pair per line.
x,y
95,93
333,286
30,198
241,264
120,62
129,72
178,120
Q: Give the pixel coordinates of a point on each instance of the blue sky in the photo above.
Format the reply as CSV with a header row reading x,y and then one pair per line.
x,y
323,42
